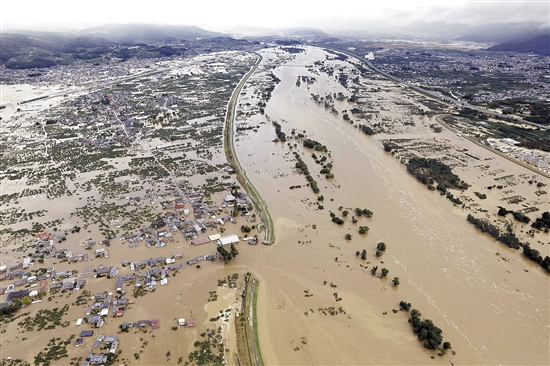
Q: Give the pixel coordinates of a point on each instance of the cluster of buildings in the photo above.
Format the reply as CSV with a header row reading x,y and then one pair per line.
x,y
427,67
177,219
98,358
539,159
158,235
145,273
36,284
79,73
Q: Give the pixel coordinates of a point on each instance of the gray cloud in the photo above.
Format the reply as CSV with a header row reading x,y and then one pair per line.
x,y
500,12
324,14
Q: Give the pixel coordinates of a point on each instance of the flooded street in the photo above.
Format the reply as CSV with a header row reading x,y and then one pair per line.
x,y
492,311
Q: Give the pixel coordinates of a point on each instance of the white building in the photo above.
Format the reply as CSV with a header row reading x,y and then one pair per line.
x,y
227,240
229,198
509,141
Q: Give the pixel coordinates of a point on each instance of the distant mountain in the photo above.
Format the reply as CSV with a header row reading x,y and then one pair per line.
x,y
48,49
434,29
489,32
37,49
304,32
147,33
286,32
539,45
503,32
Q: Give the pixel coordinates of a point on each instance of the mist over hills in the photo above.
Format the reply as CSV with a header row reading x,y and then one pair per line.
x,y
48,49
489,32
34,49
148,33
31,48
246,30
539,45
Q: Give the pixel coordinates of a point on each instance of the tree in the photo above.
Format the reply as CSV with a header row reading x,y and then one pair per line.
x,y
234,251
373,270
543,221
405,305
26,300
502,211
364,254
446,345
367,213
380,249
363,229
345,213
226,256
384,272
425,330
395,281
348,236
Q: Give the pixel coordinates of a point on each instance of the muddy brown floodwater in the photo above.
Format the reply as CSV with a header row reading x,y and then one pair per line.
x,y
491,311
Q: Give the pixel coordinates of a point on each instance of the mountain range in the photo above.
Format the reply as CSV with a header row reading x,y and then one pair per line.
x,y
489,32
539,45
147,33
28,49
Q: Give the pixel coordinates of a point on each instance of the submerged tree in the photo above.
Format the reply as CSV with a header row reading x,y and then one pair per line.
x,y
405,305
228,255
234,251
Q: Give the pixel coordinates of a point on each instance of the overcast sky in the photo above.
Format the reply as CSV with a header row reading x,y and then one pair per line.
x,y
216,14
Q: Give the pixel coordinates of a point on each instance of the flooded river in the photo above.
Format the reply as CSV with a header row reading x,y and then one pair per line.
x,y
492,311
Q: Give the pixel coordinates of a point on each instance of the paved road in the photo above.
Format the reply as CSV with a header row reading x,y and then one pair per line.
x,y
234,161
